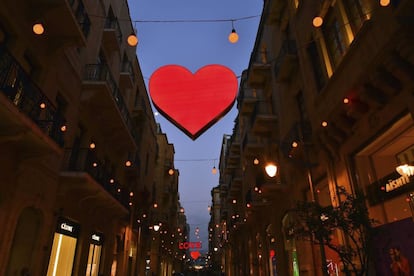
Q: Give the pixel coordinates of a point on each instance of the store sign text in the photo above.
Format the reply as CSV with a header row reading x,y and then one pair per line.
x,y
66,227
397,183
187,245
96,238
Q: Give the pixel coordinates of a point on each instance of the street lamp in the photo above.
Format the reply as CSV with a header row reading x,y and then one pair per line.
x,y
271,169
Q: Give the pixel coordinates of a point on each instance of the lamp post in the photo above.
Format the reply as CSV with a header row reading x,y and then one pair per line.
x,y
312,193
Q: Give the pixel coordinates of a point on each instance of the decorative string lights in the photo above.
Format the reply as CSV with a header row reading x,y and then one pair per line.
x,y
38,28
132,39
233,36
213,170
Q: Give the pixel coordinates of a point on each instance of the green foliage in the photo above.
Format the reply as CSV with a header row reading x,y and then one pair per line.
x,y
317,224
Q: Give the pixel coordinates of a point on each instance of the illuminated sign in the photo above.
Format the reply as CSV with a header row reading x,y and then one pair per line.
x,y
195,255
388,187
67,227
188,245
393,184
193,102
97,238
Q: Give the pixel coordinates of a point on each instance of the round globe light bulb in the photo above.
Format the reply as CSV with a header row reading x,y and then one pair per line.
x,y
384,3
233,36
132,40
170,171
214,170
38,28
317,21
271,169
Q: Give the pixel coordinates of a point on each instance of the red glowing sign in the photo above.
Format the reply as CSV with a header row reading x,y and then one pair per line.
x,y
195,255
193,102
188,245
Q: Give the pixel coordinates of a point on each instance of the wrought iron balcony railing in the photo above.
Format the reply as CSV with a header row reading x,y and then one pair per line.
x,y
86,160
82,17
18,86
100,72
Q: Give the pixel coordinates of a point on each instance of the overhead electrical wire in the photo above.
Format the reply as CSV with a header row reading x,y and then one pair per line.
x,y
196,20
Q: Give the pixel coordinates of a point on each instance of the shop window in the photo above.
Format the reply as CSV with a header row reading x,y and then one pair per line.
x,y
62,255
94,259
94,256
63,249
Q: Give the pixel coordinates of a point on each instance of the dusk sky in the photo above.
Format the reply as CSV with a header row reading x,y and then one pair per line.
x,y
194,45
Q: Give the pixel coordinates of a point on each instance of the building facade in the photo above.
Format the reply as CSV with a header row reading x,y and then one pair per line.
x,y
78,142
332,105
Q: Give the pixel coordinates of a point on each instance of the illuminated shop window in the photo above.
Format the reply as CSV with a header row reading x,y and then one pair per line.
x,y
94,260
62,255
94,257
63,248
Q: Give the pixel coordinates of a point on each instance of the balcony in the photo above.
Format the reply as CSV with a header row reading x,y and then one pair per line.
x,y
276,11
67,21
258,74
234,149
102,94
262,119
235,183
25,106
84,175
286,61
246,101
112,35
126,76
251,146
139,112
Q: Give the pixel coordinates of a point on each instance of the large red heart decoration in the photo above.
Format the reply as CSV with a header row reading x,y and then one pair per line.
x,y
195,255
193,102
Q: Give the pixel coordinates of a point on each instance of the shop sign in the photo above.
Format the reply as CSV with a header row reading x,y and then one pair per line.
x,y
97,238
397,183
388,187
188,245
67,227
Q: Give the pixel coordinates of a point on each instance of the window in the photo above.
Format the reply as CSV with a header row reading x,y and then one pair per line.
x,y
94,257
315,60
357,13
336,42
62,255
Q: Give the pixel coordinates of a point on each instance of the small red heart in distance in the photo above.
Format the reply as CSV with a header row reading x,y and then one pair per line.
x,y
193,102
195,255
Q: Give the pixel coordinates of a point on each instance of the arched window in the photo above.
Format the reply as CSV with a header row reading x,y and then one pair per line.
x,y
24,241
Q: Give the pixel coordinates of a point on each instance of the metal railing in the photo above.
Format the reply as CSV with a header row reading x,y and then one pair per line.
x,y
113,23
86,160
17,85
101,73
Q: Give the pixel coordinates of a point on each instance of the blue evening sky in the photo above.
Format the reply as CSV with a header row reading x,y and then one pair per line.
x,y
194,45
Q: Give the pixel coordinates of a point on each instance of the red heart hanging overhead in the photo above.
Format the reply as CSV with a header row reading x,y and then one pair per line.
x,y
193,102
195,255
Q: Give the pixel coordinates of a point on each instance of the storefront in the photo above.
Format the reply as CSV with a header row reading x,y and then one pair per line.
x,y
383,170
63,248
94,256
